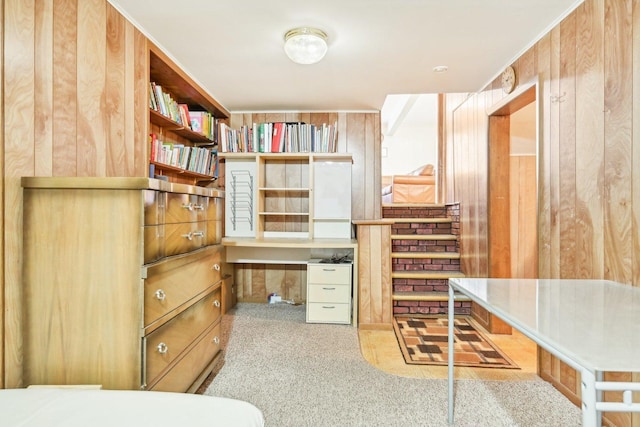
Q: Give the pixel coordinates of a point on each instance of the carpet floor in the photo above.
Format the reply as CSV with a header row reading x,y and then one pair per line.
x,y
303,374
424,340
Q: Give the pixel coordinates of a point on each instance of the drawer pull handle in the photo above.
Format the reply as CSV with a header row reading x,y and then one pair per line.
x,y
198,207
328,306
162,348
190,235
160,295
216,303
216,267
216,340
329,289
328,269
189,206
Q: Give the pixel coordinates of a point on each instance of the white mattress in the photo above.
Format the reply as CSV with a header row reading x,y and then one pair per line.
x,y
53,407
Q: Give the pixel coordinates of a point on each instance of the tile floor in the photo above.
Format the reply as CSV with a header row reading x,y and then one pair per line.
x,y
381,349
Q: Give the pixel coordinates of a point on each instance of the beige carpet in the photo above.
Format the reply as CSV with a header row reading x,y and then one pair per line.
x,y
303,374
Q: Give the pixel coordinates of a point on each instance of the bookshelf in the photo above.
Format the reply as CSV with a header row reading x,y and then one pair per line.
x,y
288,195
171,129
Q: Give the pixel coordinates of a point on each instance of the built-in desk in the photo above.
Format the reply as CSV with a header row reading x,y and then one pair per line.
x,y
592,325
288,250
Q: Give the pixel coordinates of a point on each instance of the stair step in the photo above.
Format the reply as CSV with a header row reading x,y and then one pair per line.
x,y
427,275
423,237
422,220
426,296
427,255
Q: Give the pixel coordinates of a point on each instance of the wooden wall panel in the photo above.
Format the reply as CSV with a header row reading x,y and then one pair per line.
x,y
375,305
589,166
589,141
2,224
75,75
19,132
65,102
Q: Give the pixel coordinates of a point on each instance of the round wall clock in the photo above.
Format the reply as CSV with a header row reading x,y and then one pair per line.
x,y
508,79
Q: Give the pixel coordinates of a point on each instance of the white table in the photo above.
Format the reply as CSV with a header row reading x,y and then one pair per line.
x,y
69,407
592,325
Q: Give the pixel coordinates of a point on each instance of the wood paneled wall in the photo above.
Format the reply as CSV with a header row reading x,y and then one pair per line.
x,y
588,72
358,134
75,77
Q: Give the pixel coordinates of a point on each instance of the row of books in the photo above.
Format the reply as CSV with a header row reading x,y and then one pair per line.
x,y
200,160
201,122
278,137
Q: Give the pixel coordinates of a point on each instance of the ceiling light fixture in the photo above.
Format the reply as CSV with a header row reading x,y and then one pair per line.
x,y
305,45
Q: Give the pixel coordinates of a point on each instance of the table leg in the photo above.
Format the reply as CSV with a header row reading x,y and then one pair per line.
x,y
450,349
589,411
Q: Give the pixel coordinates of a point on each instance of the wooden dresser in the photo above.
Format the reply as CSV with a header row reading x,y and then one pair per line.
x,y
123,282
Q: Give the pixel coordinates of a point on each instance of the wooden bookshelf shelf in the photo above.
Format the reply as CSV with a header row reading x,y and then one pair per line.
x,y
168,134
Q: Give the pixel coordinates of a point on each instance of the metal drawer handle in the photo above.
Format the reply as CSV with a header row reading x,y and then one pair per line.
x,y
328,269
329,289
216,303
216,267
162,348
190,235
189,206
198,207
328,306
160,295
216,340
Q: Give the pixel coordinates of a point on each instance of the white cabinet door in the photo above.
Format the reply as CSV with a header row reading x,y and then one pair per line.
x,y
332,198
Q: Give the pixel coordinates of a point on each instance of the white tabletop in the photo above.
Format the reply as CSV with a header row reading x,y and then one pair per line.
x,y
595,323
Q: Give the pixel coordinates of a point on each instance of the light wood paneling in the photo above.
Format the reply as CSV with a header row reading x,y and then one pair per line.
x,y
2,208
75,75
19,133
588,221
375,309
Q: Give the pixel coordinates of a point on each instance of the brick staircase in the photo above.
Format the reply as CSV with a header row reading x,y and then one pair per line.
x,y
425,253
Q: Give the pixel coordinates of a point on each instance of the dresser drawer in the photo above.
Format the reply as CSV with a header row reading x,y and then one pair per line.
x,y
337,274
187,370
168,342
173,282
184,208
329,293
184,237
328,313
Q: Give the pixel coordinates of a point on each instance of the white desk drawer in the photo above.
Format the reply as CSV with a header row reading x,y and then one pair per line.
x,y
329,293
334,274
328,313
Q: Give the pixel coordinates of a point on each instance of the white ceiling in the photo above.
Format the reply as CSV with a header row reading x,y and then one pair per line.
x,y
234,48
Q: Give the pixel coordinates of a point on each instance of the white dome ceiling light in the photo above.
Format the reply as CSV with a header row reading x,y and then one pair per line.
x,y
305,45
